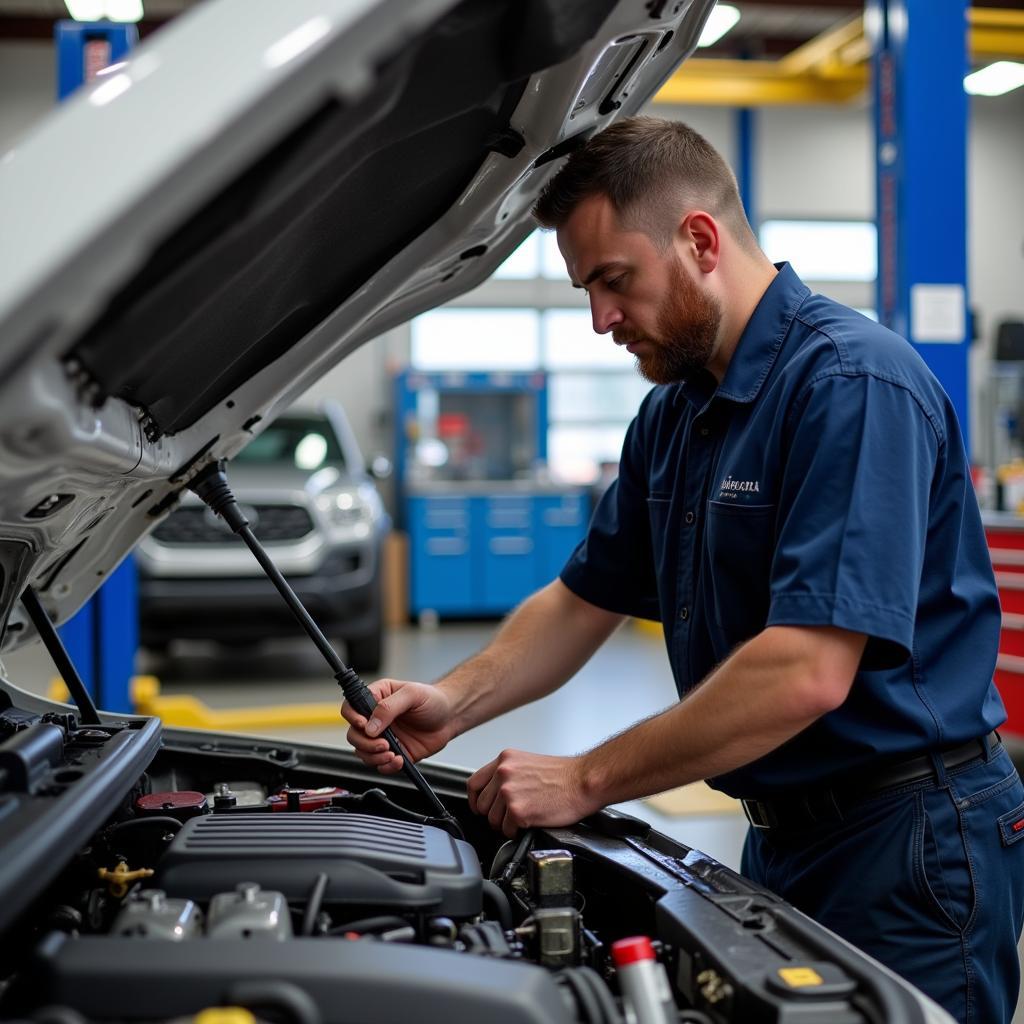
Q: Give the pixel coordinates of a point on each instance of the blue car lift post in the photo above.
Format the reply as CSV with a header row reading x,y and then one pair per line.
x,y
919,62
103,636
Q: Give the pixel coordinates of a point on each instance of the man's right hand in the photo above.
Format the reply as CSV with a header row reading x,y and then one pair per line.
x,y
420,717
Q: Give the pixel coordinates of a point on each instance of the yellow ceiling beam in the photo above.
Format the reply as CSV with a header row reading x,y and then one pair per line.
x,y
749,83
831,68
997,42
994,17
824,49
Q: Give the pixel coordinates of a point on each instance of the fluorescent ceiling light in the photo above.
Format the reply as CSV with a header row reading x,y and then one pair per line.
x,y
722,18
996,79
96,10
86,10
124,10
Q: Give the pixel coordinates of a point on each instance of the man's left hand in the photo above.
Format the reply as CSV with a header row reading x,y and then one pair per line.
x,y
519,790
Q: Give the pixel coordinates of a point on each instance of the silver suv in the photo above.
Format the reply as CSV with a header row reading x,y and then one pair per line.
x,y
303,486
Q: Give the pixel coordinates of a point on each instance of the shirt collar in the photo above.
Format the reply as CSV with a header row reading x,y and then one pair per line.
x,y
758,346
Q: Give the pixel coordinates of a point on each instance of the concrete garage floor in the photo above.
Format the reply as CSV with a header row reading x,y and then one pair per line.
x,y
628,679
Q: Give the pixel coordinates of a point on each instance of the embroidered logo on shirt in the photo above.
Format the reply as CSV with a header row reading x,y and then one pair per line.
x,y
729,486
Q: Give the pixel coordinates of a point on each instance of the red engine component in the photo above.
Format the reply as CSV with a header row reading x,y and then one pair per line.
x,y
290,799
183,804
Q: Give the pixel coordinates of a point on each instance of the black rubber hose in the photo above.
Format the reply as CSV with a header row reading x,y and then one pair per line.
x,y
589,1008
313,904
609,1010
525,842
501,859
495,895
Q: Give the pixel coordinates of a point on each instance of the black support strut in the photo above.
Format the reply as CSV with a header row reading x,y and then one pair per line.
x,y
211,485
65,666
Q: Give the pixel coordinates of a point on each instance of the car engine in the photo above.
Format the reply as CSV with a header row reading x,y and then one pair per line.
x,y
153,876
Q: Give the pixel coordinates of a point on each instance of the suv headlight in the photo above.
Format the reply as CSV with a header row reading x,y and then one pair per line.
x,y
346,513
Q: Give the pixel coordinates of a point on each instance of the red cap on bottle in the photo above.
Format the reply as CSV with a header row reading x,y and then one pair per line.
x,y
629,951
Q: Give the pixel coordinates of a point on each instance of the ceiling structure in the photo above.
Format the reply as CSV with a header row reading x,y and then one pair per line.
x,y
780,51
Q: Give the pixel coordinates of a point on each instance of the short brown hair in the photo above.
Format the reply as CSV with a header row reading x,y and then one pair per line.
x,y
651,169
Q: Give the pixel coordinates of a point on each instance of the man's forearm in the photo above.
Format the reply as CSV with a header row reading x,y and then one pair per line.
x,y
541,645
763,695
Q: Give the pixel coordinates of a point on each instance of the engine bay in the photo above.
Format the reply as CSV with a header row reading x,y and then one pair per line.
x,y
151,876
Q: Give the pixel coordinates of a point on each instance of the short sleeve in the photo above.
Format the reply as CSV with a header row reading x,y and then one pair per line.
x,y
852,519
613,567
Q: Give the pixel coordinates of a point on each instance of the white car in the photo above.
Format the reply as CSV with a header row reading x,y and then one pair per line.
x,y
311,501
186,246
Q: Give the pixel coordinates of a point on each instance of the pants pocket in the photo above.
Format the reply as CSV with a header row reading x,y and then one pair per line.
x,y
945,872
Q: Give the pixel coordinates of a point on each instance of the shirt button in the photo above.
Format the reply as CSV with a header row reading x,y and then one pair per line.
x,y
704,431
684,614
689,517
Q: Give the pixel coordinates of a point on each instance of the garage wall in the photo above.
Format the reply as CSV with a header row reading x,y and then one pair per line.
x,y
811,162
28,87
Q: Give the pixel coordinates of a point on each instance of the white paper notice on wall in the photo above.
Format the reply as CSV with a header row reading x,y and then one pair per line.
x,y
938,313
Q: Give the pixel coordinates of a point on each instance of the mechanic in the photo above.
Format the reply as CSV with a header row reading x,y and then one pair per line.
x,y
794,504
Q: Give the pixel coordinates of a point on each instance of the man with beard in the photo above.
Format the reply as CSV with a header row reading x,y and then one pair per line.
x,y
794,505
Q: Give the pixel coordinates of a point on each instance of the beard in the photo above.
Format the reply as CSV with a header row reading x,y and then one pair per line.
x,y
687,326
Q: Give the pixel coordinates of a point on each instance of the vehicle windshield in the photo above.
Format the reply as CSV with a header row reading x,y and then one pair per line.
x,y
298,441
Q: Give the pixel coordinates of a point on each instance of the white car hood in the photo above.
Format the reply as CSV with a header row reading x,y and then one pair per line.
x,y
192,240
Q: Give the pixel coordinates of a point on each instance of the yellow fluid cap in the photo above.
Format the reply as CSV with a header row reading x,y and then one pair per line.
x,y
224,1015
800,977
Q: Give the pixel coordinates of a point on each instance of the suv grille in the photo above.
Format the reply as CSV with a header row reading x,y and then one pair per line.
x,y
274,524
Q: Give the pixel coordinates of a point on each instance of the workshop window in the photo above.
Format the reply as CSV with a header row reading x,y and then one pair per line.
x,y
524,263
570,343
476,339
593,393
536,256
823,250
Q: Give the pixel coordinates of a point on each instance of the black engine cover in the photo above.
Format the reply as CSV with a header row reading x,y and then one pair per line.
x,y
368,861
350,982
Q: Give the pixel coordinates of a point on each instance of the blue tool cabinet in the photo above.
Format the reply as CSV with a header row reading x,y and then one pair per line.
x,y
481,554
480,539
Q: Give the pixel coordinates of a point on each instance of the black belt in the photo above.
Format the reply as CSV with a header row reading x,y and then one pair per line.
x,y
823,806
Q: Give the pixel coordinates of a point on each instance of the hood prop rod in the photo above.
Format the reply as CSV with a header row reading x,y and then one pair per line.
x,y
211,485
61,659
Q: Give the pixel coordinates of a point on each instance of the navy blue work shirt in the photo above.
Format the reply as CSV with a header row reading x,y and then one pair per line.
x,y
824,482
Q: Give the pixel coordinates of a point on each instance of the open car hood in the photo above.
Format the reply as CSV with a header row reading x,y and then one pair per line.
x,y
194,239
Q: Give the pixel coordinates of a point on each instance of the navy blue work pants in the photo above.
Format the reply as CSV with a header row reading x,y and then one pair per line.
x,y
927,878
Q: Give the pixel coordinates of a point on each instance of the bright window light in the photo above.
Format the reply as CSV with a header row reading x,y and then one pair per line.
x,y
1003,76
523,263
552,266
722,18
570,343
823,250
124,10
476,339
86,10
576,453
96,10
595,398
